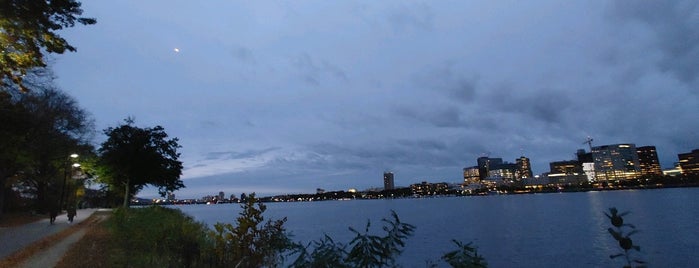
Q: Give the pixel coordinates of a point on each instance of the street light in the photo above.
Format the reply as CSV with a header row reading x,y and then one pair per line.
x,y
65,177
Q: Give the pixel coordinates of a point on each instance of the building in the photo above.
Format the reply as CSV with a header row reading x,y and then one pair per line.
x,y
503,171
616,162
675,171
388,183
648,161
568,167
426,188
485,164
524,168
471,175
689,163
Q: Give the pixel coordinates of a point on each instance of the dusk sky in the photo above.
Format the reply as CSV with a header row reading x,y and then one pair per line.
x,y
289,96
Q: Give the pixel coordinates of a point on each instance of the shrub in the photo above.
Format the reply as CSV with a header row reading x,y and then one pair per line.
x,y
624,238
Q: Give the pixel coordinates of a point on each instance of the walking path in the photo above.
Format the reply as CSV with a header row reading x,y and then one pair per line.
x,y
14,239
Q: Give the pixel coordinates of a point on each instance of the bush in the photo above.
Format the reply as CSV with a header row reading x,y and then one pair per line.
x,y
157,237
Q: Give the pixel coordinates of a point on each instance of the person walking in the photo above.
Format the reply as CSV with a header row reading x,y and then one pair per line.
x,y
71,213
53,213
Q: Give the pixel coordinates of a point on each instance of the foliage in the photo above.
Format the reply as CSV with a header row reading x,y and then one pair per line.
x,y
157,237
28,29
42,128
465,257
366,250
163,237
133,157
251,242
623,238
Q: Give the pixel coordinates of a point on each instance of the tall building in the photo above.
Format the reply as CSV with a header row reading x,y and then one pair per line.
x,y
524,168
648,161
471,175
689,163
388,181
503,171
616,162
485,164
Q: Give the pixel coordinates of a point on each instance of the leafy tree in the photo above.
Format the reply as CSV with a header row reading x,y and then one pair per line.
x,y
133,157
41,129
28,29
13,119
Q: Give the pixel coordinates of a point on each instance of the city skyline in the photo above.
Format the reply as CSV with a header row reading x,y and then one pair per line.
x,y
279,97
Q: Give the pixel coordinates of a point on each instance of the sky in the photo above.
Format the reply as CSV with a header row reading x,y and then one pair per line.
x,y
288,96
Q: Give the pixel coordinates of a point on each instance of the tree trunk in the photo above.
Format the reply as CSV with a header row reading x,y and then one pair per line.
x,y
126,195
2,194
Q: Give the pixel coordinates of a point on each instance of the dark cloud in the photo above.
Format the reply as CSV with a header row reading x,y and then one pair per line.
x,y
545,105
448,117
447,78
674,24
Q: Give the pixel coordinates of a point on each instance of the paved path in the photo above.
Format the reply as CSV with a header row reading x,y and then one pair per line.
x,y
13,239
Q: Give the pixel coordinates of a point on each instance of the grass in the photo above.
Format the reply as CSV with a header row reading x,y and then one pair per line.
x,y
93,250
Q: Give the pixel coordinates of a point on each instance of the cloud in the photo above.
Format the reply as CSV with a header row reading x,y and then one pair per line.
x,y
674,24
313,72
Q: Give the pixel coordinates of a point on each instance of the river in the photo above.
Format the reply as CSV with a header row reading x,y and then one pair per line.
x,y
529,230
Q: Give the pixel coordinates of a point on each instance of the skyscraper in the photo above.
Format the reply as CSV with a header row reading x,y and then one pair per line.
x,y
689,162
616,162
648,161
388,181
524,168
471,175
485,164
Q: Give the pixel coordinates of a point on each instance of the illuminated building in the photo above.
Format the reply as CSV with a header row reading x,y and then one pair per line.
x,y
568,167
388,181
485,164
471,175
616,162
648,161
503,171
689,163
524,168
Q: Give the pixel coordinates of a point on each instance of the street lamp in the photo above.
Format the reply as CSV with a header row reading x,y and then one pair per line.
x,y
65,177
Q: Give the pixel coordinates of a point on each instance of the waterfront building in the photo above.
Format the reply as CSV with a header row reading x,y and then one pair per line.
x,y
675,171
388,183
648,161
568,167
616,162
524,168
689,163
471,175
503,171
485,164
426,188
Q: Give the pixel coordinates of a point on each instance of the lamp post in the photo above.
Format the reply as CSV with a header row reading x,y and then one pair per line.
x,y
65,177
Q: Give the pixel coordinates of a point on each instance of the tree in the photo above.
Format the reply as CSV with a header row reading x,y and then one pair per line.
x,y
28,29
40,130
13,119
134,157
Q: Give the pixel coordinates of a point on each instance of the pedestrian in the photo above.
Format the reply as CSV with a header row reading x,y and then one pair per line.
x,y
71,213
53,213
